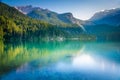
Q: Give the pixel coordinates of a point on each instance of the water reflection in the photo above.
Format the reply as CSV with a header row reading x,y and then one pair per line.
x,y
89,63
14,55
83,60
67,60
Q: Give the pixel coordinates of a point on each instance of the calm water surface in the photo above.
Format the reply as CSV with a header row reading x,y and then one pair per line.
x,y
66,60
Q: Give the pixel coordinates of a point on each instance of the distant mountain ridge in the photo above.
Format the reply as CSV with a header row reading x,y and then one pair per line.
x,y
105,24
27,9
49,16
14,25
110,17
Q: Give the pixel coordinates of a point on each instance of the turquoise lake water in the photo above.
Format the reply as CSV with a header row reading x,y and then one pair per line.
x,y
63,60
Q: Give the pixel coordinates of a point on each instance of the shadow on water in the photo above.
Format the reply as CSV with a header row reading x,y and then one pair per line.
x,y
63,60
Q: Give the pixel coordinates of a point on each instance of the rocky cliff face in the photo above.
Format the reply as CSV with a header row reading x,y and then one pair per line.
x,y
49,16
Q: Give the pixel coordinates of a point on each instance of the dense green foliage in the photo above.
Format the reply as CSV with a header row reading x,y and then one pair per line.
x,y
15,25
104,32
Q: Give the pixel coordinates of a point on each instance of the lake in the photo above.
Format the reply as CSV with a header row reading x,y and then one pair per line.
x,y
60,60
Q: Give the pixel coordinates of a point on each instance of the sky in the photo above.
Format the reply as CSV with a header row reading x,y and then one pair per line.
x,y
81,9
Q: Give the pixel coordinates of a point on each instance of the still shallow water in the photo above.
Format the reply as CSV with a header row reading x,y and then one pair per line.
x,y
66,60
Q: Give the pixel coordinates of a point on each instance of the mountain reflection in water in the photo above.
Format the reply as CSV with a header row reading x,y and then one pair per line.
x,y
67,60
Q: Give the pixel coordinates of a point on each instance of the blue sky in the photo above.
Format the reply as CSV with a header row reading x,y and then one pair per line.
x,y
82,9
